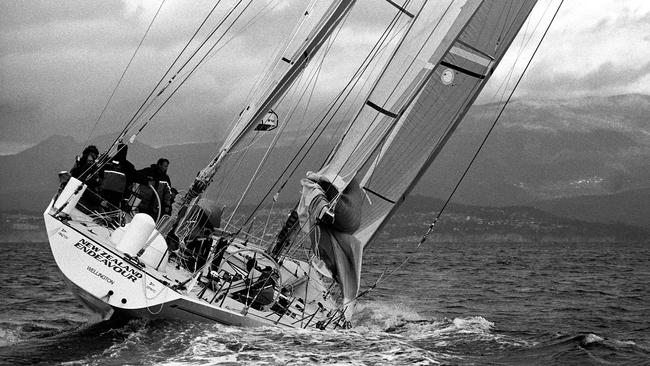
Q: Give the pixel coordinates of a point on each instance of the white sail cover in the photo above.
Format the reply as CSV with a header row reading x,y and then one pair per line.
x,y
425,90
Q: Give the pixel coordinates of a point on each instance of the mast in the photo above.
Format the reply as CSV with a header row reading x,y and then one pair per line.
x,y
287,69
291,69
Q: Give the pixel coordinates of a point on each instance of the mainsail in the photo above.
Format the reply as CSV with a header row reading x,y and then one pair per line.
x,y
284,72
432,79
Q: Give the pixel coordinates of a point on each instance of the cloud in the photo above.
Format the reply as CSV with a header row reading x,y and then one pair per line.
x,y
607,79
60,60
25,14
67,62
603,51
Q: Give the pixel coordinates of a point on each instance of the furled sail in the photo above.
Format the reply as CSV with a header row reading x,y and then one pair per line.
x,y
432,79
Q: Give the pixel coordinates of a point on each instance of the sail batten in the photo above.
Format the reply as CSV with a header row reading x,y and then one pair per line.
x,y
425,101
439,108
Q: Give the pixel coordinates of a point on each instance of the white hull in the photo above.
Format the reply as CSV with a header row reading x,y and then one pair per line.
x,y
111,284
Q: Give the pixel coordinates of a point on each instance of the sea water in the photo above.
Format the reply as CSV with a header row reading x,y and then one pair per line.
x,y
450,303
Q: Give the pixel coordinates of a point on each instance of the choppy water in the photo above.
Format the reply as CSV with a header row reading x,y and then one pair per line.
x,y
511,304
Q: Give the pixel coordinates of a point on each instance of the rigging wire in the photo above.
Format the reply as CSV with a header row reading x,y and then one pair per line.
x,y
311,82
275,60
124,72
297,90
197,65
103,160
147,99
397,84
378,47
384,276
303,118
267,8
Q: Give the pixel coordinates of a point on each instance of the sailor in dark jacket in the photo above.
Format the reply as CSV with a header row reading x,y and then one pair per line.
x,y
162,183
118,175
83,165
158,171
86,171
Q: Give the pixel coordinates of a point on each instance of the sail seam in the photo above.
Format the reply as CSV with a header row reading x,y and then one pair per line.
x,y
378,195
470,56
474,49
400,8
463,70
381,110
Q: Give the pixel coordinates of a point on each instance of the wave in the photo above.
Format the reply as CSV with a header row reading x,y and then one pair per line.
x,y
43,344
384,333
399,318
581,348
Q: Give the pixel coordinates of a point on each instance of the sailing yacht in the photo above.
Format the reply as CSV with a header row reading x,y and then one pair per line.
x,y
425,72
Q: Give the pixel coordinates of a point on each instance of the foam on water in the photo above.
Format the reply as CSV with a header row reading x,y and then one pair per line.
x,y
452,307
383,314
211,344
8,336
591,338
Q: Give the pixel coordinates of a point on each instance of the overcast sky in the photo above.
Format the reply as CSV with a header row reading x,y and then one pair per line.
x,y
59,61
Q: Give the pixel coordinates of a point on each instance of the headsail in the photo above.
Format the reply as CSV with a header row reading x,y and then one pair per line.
x,y
424,92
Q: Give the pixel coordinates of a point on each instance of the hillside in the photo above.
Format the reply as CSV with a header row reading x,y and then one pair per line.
x,y
459,223
463,223
586,158
631,207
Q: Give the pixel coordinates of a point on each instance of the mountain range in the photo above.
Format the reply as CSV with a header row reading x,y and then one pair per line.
x,y
583,158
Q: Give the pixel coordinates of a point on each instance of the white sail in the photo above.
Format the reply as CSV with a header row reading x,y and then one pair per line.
x,y
431,81
284,72
413,120
289,66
